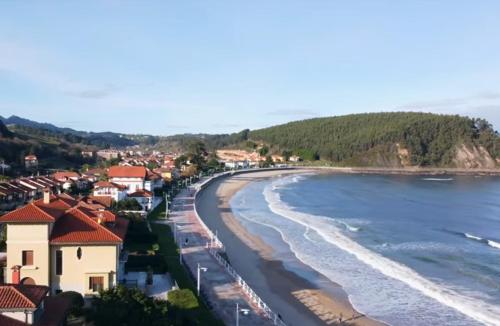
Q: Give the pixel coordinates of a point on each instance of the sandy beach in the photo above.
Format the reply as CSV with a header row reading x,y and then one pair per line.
x,y
295,298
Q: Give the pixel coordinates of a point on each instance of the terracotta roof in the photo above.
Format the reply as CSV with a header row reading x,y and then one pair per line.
x,y
30,213
75,221
63,175
30,157
141,193
106,184
19,296
102,200
120,227
95,172
78,227
127,172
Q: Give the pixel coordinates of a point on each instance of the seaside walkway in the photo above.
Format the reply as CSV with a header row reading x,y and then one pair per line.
x,y
218,287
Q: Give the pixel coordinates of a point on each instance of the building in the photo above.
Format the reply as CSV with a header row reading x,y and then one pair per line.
x,y
22,304
93,175
58,242
294,158
31,162
108,154
115,191
70,178
145,198
87,154
134,178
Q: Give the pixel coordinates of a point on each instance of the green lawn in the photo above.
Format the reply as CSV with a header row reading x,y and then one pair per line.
x,y
168,248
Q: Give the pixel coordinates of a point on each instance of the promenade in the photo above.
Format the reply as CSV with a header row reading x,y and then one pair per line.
x,y
218,287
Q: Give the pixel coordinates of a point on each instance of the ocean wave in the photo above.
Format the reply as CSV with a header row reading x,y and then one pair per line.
x,y
491,243
472,307
438,179
473,237
417,246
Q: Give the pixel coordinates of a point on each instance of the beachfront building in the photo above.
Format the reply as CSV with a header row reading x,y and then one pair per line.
x,y
60,242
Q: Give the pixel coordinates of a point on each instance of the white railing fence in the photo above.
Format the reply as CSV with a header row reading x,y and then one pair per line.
x,y
216,245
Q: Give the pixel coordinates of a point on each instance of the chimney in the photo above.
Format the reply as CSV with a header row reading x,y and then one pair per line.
x,y
16,274
46,196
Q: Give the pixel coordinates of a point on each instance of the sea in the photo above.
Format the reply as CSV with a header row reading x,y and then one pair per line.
x,y
407,250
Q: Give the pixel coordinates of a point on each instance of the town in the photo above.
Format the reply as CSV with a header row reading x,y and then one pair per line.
x,y
69,238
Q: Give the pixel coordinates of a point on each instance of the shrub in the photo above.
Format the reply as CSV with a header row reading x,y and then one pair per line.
x,y
141,262
182,299
77,302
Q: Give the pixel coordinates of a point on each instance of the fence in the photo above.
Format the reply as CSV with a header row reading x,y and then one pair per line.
x,y
275,318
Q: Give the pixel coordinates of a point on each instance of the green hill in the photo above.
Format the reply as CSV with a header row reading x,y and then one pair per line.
x,y
53,149
388,139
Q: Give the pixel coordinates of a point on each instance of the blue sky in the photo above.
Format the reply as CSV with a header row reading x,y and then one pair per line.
x,y
167,67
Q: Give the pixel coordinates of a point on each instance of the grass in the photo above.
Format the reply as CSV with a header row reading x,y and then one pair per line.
x,y
168,248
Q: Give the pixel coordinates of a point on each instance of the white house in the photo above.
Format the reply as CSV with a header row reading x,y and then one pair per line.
x,y
145,198
108,189
135,178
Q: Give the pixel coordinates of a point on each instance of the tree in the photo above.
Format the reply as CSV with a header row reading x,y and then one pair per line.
x,y
264,150
121,306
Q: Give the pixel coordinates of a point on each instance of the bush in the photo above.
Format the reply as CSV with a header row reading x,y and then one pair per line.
x,y
141,262
182,299
77,302
122,307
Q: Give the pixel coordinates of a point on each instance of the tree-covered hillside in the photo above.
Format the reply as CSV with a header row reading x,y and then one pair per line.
x,y
359,139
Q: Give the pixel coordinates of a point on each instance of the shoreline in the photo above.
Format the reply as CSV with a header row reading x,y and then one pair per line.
x,y
402,171
298,300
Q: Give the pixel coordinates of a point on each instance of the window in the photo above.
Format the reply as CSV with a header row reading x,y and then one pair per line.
x,y
79,253
27,257
96,283
59,262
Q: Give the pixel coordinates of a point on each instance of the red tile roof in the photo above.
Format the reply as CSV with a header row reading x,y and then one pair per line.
x,y
19,296
30,213
141,193
74,221
103,200
106,184
63,175
127,172
78,227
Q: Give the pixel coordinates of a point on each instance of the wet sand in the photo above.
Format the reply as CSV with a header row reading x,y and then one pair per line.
x,y
295,298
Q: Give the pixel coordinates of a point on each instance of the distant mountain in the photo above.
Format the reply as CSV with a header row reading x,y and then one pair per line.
x,y
101,139
394,139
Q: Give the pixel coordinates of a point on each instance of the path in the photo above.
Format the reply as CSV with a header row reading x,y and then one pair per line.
x,y
219,288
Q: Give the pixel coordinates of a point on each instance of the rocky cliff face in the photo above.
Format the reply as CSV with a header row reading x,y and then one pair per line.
x,y
473,157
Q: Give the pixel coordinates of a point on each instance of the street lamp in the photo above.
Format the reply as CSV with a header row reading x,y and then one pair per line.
x,y
166,205
238,310
203,269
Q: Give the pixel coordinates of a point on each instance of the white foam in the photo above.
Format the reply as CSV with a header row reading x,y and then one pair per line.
x,y
472,307
473,237
438,179
493,244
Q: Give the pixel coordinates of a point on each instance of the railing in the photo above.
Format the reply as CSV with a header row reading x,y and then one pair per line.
x,y
216,245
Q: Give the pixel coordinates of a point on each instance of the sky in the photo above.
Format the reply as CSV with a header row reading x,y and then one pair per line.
x,y
170,67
